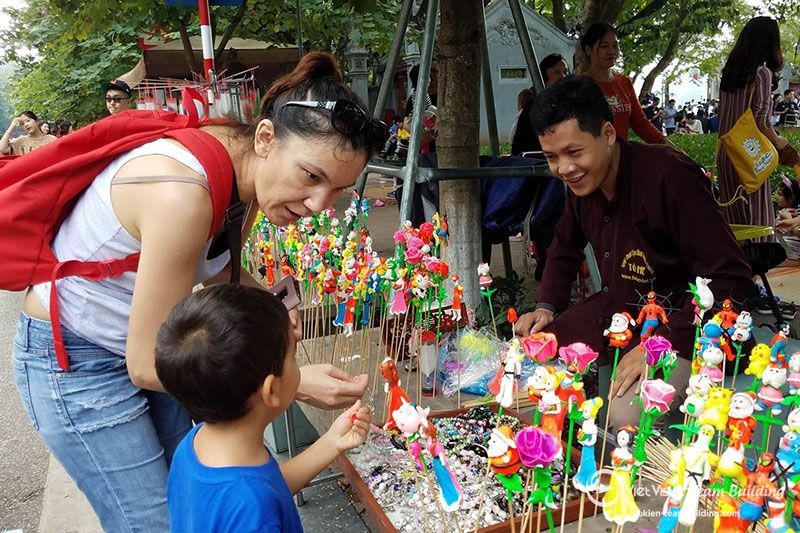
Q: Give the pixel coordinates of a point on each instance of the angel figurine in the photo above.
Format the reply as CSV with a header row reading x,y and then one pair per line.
x,y
586,478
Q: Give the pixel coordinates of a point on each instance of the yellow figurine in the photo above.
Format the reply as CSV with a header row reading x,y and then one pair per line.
x,y
759,360
619,505
716,408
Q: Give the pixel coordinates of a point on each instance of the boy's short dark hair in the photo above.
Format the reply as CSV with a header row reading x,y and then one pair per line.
x,y
217,347
568,98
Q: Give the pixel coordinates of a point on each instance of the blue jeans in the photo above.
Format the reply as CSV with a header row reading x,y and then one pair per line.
x,y
113,438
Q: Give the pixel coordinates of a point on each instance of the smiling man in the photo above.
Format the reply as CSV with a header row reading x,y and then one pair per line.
x,y
648,212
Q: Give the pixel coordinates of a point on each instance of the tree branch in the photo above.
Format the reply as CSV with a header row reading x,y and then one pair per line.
x,y
647,11
188,53
229,31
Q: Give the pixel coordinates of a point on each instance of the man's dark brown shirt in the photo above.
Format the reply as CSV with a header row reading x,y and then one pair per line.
x,y
661,230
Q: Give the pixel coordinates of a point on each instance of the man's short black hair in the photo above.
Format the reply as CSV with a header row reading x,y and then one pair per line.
x,y
787,92
568,98
217,347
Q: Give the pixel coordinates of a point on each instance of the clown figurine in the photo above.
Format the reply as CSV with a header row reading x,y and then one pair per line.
x,y
619,505
395,395
650,315
504,458
619,332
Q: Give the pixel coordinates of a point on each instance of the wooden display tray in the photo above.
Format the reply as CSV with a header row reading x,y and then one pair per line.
x,y
378,517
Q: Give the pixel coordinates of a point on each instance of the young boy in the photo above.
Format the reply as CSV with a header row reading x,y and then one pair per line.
x,y
227,354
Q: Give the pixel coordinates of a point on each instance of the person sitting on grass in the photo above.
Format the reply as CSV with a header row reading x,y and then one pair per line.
x,y
227,354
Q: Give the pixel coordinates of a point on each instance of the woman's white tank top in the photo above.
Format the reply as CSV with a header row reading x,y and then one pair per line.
x,y
98,311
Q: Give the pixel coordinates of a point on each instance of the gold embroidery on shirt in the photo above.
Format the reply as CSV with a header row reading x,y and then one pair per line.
x,y
636,267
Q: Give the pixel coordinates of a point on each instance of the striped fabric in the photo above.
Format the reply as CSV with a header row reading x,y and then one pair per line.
x,y
758,210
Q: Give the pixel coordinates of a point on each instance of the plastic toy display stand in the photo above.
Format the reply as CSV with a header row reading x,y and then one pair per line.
x,y
377,519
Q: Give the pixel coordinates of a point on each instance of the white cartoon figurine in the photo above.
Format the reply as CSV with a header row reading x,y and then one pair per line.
x,y
703,297
484,276
710,360
770,394
697,392
698,461
794,373
792,421
511,372
619,332
742,329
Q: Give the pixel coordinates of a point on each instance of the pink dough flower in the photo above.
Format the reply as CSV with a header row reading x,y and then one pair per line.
x,y
656,394
399,237
540,346
656,348
578,356
413,255
537,447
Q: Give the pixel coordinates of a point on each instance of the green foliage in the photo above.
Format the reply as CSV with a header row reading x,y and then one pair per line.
x,y
66,49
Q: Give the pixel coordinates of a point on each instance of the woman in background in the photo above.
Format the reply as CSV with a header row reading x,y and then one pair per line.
x,y
601,48
23,144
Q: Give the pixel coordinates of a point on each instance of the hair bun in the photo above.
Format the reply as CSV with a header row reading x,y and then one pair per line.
x,y
316,65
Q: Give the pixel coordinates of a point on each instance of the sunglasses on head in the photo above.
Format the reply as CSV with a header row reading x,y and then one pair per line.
x,y
116,99
350,120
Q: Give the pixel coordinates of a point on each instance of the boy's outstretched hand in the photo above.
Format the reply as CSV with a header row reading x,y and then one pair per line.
x,y
350,429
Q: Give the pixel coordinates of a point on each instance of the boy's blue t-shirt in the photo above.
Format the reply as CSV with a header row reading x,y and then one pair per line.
x,y
235,498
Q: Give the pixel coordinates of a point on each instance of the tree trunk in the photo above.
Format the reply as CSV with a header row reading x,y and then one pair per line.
x,y
666,59
458,141
188,53
600,11
558,15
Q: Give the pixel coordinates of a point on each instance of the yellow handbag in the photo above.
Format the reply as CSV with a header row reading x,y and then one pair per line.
x,y
750,151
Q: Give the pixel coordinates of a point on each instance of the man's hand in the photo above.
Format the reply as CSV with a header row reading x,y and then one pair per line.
x,y
350,429
629,370
328,387
533,322
788,225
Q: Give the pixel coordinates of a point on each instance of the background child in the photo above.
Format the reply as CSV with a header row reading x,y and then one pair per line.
x,y
227,354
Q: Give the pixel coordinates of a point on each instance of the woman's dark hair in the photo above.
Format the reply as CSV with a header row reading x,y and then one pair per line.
x,y
790,192
30,115
571,97
217,347
60,127
758,44
316,77
549,61
594,34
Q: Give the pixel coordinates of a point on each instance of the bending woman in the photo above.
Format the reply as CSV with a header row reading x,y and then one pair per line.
x,y
107,420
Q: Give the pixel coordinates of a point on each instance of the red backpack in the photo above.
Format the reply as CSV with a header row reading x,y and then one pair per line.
x,y
38,190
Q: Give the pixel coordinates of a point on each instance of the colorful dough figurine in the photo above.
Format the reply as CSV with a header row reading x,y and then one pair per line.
x,y
409,419
740,418
695,403
619,332
458,293
743,328
650,315
504,458
794,374
697,459
770,394
717,405
778,346
757,489
619,505
702,298
395,395
586,478
505,387
726,317
542,392
450,491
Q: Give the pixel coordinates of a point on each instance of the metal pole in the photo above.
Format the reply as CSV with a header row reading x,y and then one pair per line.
x,y
207,38
488,92
527,46
392,59
388,77
410,170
